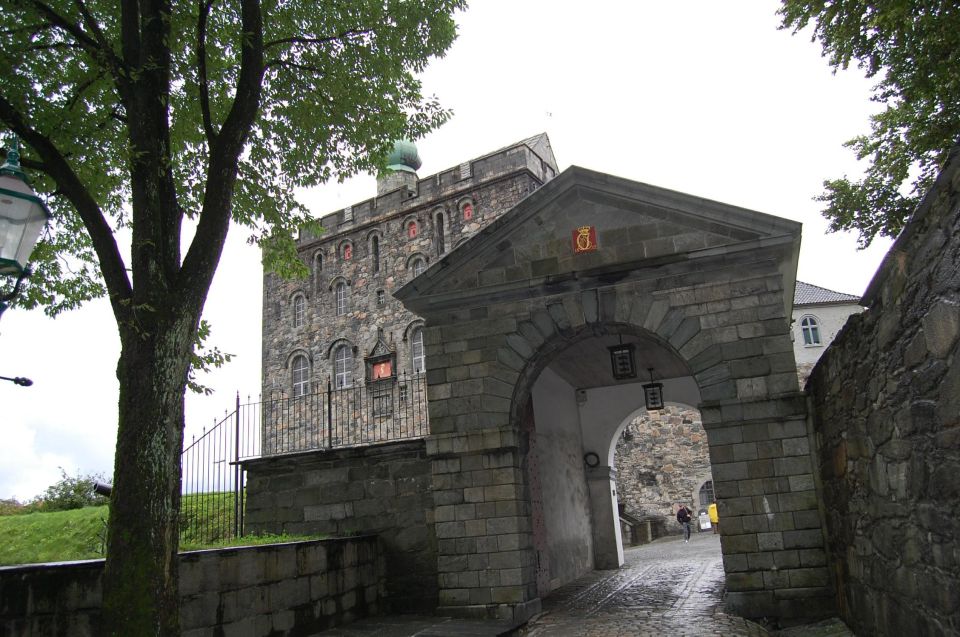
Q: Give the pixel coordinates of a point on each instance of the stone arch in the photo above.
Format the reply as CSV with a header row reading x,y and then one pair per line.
x,y
337,342
706,285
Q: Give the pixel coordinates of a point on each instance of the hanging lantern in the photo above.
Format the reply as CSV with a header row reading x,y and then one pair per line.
x,y
653,394
622,361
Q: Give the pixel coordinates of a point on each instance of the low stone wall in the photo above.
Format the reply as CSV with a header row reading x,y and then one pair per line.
x,y
382,489
886,399
277,589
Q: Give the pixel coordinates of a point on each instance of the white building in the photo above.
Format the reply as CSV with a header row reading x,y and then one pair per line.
x,y
818,314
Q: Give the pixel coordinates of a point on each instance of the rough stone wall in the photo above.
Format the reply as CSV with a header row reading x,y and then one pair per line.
x,y
383,489
281,589
662,458
886,400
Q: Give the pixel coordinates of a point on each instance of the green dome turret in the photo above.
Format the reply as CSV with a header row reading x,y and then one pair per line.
x,y
403,157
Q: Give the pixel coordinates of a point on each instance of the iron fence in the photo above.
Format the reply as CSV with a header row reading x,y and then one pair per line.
x,y
213,480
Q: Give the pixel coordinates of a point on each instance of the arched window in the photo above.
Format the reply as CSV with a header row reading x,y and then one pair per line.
x,y
299,305
811,330
707,496
417,355
342,300
343,367
317,263
417,266
467,209
347,251
440,243
412,230
300,375
375,252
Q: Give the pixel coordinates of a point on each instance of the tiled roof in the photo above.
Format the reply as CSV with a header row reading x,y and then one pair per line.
x,y
806,294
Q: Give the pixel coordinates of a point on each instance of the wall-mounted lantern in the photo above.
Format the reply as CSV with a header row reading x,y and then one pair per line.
x,y
653,393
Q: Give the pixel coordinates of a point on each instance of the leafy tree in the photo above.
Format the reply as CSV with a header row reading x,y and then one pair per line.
x,y
150,125
70,492
912,49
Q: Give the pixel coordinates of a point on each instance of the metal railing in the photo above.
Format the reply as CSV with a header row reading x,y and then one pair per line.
x,y
213,480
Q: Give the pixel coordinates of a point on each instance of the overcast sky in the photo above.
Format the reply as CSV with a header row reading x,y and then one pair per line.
x,y
707,98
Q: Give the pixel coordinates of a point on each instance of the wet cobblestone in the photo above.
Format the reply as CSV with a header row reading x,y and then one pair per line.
x,y
666,588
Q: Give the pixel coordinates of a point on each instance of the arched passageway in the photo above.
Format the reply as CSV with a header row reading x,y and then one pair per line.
x,y
519,320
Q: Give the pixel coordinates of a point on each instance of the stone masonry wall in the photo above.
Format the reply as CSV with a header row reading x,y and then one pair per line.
x,y
496,184
662,458
382,489
280,589
886,399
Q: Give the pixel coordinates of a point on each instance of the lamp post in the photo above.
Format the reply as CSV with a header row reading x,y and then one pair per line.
x,y
22,218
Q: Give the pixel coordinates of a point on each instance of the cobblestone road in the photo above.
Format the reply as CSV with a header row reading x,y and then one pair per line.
x,y
666,588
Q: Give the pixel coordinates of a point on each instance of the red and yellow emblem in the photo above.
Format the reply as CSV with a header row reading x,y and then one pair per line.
x,y
584,239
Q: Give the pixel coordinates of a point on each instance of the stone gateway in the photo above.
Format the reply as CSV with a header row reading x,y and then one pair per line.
x,y
541,309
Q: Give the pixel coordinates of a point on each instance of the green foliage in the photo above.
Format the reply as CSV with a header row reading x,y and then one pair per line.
x,y
203,359
336,86
912,49
12,507
70,492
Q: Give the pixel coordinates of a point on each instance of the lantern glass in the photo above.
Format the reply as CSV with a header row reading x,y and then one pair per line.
x,y
22,218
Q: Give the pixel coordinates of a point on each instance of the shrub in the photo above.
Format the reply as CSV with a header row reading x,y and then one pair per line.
x,y
71,493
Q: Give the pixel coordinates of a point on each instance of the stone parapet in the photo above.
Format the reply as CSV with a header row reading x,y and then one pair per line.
x,y
280,589
382,489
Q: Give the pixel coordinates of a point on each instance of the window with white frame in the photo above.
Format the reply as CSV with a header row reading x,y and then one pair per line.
x,y
342,300
810,328
381,298
299,311
343,367
417,266
417,355
300,375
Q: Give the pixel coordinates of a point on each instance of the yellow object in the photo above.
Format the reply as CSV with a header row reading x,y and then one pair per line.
x,y
712,510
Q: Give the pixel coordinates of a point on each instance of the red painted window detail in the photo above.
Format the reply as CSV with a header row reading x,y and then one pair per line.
x,y
412,230
347,252
467,211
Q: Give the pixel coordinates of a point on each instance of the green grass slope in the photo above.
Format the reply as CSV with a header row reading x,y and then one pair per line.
x,y
52,537
61,536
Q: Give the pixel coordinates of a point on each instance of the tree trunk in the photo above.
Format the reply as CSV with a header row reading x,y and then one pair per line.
x,y
140,584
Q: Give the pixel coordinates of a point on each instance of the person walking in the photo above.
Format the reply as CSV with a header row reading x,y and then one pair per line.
x,y
685,517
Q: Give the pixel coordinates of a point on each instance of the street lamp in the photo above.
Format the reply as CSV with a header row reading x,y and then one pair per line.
x,y
22,218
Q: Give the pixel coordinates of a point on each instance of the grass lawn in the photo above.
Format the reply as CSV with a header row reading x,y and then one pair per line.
x,y
52,537
60,536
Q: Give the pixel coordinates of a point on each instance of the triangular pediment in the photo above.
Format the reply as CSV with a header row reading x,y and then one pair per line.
x,y
381,347
584,223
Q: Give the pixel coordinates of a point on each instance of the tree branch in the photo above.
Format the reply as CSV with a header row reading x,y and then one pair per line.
x,y
202,70
325,40
88,43
68,183
201,260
